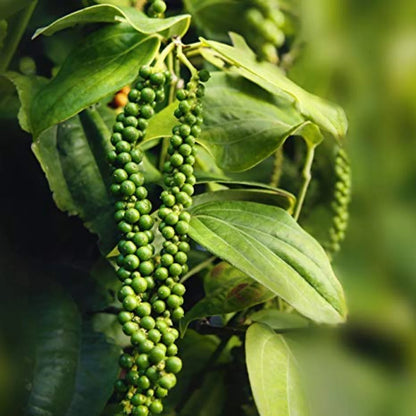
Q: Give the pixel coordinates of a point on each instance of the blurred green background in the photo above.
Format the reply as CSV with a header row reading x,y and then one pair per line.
x,y
362,55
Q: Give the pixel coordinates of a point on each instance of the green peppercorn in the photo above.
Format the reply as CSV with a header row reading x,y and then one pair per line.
x,y
168,381
132,216
178,314
144,309
138,337
129,328
130,303
126,361
124,292
147,322
124,317
163,292
159,306
136,155
172,350
139,285
173,365
140,239
141,411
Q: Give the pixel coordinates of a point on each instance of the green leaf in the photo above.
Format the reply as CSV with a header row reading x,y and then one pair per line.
x,y
162,123
227,290
57,329
27,87
103,63
97,371
75,367
244,124
218,17
108,13
267,244
328,116
150,172
254,190
287,199
273,373
263,196
279,320
72,155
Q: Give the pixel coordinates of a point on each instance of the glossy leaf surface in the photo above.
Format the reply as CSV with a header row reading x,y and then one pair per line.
x,y
103,63
262,196
108,13
273,374
244,124
278,320
267,244
326,115
72,155
75,367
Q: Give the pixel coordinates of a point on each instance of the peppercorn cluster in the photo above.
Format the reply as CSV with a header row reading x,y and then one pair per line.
x,y
155,8
265,22
340,202
151,292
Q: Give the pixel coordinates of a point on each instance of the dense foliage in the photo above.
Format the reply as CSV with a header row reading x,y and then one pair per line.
x,y
185,185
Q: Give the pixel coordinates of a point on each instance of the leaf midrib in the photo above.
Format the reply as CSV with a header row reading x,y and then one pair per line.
x,y
289,282
279,238
60,98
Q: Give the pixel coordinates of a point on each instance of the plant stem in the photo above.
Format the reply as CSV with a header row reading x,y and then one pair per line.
x,y
195,45
185,60
172,89
307,176
277,167
13,39
198,268
163,55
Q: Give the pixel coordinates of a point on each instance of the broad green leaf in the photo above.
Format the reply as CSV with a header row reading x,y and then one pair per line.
x,y
161,124
242,59
150,172
108,13
267,244
209,398
103,63
57,337
204,177
227,290
244,124
263,196
96,373
218,17
72,155
27,87
274,196
75,368
278,320
273,373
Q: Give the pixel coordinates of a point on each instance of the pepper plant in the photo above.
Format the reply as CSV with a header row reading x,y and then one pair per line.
x,y
176,136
